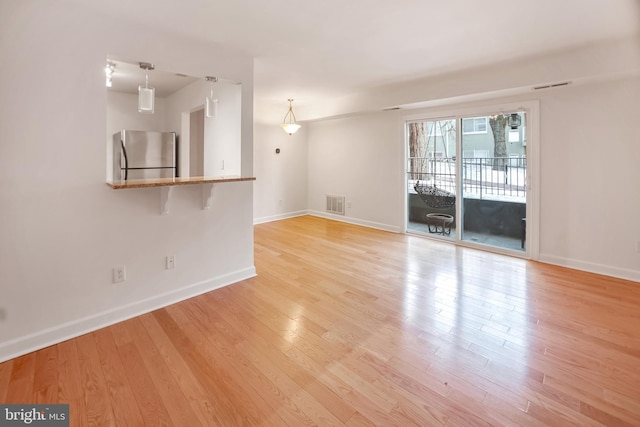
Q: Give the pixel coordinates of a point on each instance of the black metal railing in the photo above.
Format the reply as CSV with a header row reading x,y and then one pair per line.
x,y
484,178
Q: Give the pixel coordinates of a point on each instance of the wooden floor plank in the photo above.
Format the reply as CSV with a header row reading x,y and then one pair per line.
x,y
199,399
314,412
346,325
45,380
218,350
69,377
97,405
126,410
146,394
168,388
202,370
21,384
5,377
70,389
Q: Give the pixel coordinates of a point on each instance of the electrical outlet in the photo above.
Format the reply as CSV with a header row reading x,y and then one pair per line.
x,y
638,246
119,274
170,262
349,203
3,314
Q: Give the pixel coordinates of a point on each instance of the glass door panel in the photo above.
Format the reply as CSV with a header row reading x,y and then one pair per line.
x,y
431,177
493,176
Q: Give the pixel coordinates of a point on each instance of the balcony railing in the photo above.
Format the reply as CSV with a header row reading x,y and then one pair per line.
x,y
494,178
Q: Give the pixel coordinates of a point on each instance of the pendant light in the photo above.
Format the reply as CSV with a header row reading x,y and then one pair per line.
x,y
146,94
211,103
289,123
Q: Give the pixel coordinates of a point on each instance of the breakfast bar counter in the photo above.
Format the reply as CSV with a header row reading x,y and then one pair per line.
x,y
165,182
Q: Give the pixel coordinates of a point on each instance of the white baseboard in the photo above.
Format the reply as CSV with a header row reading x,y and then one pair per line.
x,y
356,221
278,217
327,215
607,270
56,334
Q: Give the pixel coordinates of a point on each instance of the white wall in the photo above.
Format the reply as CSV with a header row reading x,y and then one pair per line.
x,y
281,179
590,174
196,145
589,149
359,158
62,229
222,133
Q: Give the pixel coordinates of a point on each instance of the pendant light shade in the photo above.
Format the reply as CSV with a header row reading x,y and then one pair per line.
x,y
211,103
146,94
289,123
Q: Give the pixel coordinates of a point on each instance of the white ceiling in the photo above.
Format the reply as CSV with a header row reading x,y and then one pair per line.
x,y
317,50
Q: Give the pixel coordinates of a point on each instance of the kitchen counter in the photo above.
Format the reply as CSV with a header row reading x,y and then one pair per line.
x,y
165,182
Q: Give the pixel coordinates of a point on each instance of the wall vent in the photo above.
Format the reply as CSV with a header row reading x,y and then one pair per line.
x,y
335,204
549,86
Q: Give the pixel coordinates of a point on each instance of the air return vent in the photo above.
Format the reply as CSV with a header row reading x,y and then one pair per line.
x,y
335,204
549,86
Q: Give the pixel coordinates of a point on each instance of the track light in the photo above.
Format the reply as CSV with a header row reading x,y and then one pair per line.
x,y
108,71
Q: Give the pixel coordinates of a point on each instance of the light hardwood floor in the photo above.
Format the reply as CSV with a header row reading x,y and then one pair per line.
x,y
346,325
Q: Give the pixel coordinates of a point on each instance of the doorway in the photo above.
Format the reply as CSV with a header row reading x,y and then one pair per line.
x,y
196,143
468,178
493,176
432,176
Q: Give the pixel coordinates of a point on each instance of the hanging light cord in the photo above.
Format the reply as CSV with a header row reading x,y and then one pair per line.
x,y
211,80
147,67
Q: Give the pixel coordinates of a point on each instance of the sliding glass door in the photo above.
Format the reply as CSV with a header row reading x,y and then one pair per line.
x,y
493,171
432,177
466,179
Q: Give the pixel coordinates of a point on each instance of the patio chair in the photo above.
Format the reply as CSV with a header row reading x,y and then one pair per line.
x,y
435,197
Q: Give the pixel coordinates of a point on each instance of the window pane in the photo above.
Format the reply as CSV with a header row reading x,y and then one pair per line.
x,y
467,125
474,125
480,124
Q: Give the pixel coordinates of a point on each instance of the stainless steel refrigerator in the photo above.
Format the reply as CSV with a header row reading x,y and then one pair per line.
x,y
144,155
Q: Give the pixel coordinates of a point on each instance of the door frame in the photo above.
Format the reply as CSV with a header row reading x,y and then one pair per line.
x,y
532,109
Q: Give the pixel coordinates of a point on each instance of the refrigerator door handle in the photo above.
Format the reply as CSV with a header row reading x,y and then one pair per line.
x,y
126,160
